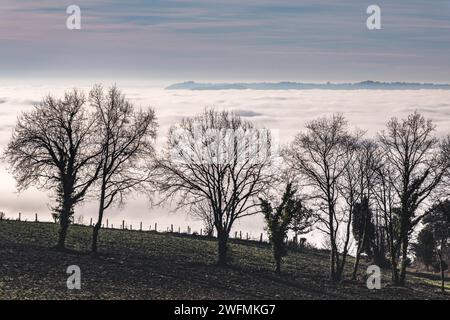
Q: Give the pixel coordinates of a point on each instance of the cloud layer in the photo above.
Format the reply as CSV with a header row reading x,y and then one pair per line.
x,y
286,111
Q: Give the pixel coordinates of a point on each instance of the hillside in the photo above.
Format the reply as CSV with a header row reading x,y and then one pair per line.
x,y
148,265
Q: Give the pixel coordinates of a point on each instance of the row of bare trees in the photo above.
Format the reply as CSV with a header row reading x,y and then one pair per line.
x,y
223,168
395,174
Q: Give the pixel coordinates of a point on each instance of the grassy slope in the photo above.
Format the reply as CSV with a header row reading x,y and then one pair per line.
x,y
147,265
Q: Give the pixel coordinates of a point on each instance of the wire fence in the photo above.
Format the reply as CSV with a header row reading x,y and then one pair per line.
x,y
294,241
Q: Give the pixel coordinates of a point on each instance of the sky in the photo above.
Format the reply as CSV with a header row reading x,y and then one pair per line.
x,y
214,40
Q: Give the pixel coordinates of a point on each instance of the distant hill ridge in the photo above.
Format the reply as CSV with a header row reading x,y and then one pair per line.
x,y
286,85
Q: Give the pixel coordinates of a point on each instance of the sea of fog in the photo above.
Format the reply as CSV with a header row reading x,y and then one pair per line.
x,y
283,110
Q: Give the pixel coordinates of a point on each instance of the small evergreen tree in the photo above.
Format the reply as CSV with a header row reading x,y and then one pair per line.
x,y
424,248
362,226
290,214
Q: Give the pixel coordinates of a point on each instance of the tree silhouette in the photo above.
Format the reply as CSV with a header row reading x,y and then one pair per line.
x,y
322,157
221,159
126,141
53,148
418,163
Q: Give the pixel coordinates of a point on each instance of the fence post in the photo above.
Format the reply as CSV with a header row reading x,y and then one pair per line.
x,y
260,238
235,234
156,227
107,223
240,235
123,224
179,230
90,223
131,227
171,228
35,218
246,236
201,232
140,228
20,214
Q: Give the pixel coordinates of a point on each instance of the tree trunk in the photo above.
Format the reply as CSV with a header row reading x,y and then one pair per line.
x,y
392,249
278,264
406,213
332,244
64,220
394,267
359,249
277,252
358,256
222,238
98,225
332,265
356,265
64,225
339,272
404,250
341,265
96,231
441,266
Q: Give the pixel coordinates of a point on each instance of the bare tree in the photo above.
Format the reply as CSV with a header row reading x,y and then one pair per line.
x,y
351,194
221,159
418,163
321,156
53,148
367,162
385,202
126,141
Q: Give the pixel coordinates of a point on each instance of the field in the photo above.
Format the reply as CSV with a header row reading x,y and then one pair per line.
x,y
148,265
